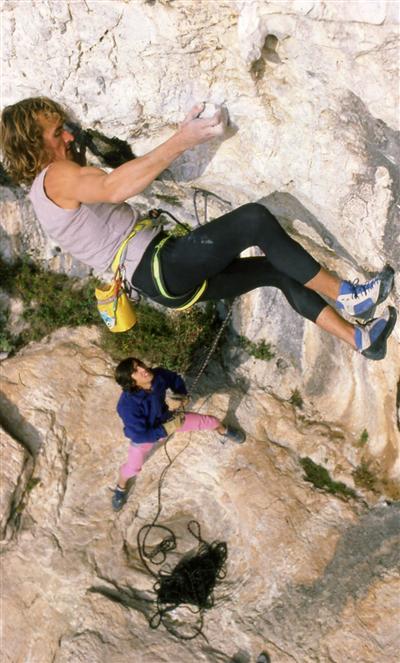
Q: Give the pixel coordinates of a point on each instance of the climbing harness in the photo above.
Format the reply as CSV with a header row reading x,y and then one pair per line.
x,y
191,297
113,300
188,299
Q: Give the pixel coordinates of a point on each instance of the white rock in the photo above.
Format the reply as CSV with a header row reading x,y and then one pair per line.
x,y
70,554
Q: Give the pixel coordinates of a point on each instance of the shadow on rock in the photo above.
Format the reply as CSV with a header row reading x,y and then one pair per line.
x,y
17,427
287,208
366,552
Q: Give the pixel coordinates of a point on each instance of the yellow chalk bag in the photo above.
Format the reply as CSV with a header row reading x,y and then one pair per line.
x,y
113,304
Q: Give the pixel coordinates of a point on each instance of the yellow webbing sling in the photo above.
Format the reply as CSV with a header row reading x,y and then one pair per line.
x,y
144,223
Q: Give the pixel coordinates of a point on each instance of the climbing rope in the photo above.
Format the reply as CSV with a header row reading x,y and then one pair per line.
x,y
191,583
212,349
155,214
168,542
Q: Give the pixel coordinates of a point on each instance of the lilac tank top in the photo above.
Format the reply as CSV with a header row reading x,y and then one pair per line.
x,y
91,233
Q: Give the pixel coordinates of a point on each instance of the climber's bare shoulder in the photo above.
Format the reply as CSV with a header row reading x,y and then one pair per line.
x,y
68,184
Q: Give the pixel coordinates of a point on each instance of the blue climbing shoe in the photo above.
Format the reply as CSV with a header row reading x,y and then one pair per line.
x,y
361,299
264,657
119,498
234,434
371,338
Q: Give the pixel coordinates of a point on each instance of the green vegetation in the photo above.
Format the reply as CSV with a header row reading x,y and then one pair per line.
x,y
178,230
54,300
296,399
363,439
33,481
260,350
6,340
172,340
50,301
391,488
368,475
364,477
320,478
171,200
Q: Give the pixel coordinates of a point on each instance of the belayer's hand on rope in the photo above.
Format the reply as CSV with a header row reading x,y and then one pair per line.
x,y
176,401
173,424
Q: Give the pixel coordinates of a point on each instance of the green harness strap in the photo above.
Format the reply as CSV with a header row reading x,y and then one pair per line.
x,y
160,283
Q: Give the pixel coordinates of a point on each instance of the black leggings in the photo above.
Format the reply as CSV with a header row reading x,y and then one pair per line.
x,y
210,252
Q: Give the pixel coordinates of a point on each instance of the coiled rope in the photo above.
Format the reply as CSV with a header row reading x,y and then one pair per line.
x,y
191,582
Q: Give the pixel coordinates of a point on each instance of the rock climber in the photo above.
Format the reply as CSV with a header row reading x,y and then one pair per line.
x,y
84,210
150,416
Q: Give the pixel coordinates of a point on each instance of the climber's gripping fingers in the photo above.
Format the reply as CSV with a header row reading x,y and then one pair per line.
x,y
195,130
193,114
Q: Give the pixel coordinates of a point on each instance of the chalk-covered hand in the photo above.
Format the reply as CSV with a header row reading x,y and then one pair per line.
x,y
193,114
194,130
173,424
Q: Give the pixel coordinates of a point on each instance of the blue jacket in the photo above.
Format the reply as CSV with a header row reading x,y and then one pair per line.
x,y
144,412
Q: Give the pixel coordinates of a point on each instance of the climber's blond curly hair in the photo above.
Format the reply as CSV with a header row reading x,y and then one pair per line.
x,y
21,137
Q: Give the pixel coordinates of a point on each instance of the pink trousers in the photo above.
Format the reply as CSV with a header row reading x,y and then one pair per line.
x,y
138,453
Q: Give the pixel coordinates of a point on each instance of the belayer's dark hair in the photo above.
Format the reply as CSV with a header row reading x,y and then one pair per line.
x,y
123,373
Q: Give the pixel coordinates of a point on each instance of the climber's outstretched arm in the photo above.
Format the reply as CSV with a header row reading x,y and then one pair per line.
x,y
69,184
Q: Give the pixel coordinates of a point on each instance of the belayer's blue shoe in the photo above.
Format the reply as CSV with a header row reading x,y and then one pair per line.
x,y
371,338
361,299
234,434
119,498
264,657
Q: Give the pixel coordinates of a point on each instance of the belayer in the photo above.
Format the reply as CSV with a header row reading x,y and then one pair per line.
x,y
84,210
149,417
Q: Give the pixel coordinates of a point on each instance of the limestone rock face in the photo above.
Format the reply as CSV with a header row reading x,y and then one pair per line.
x,y
311,92
309,575
311,89
16,467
